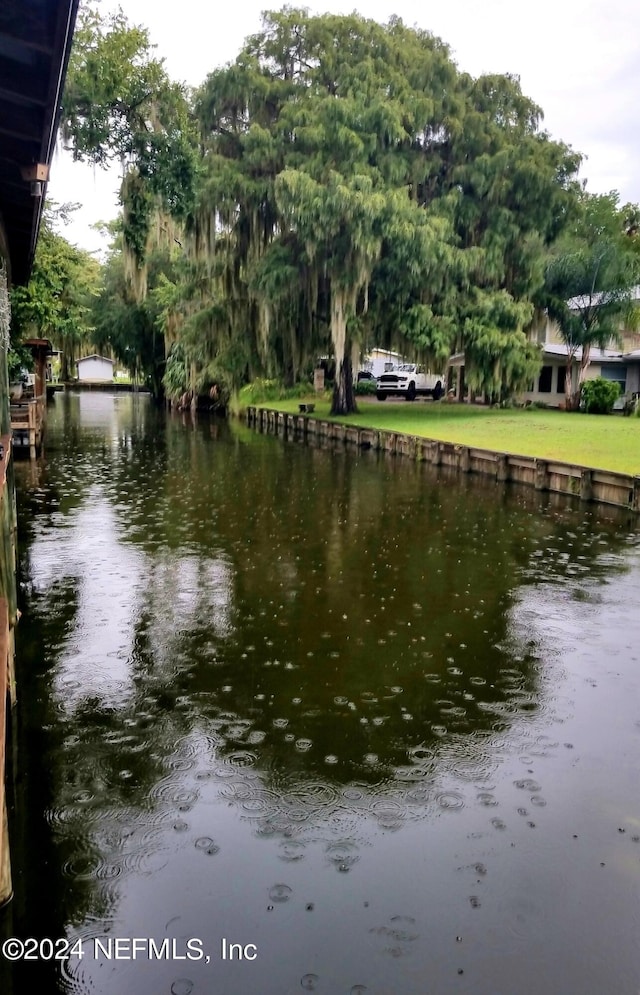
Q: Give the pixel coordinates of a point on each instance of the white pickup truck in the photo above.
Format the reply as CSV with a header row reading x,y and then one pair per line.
x,y
410,380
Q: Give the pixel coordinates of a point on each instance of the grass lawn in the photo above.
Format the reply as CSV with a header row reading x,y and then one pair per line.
x,y
610,442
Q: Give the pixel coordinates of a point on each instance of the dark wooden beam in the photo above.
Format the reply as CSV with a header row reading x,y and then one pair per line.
x,y
21,99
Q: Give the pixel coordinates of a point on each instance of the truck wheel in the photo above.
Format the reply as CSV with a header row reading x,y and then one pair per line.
x,y
381,397
437,391
411,392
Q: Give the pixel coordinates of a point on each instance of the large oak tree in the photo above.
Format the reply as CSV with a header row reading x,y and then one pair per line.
x,y
349,163
349,186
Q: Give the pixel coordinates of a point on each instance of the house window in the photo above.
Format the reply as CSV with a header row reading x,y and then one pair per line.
x,y
544,381
562,373
615,372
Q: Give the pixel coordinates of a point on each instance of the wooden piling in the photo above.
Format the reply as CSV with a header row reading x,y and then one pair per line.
x,y
542,475
502,468
464,459
586,485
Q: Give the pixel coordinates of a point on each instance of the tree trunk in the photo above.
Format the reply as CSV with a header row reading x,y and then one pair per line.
x,y
192,378
157,386
344,402
582,372
568,384
344,398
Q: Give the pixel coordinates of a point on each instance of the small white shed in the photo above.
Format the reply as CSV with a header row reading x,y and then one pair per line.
x,y
95,368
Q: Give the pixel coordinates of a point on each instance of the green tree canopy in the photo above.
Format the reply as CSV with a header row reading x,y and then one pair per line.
x,y
348,186
120,105
56,303
132,329
349,163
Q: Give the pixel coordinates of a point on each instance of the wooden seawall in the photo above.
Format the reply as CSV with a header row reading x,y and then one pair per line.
x,y
589,485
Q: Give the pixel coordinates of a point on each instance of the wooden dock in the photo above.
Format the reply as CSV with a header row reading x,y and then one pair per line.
x,y
27,423
28,411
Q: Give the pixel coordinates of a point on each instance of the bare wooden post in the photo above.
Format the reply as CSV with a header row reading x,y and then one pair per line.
x,y
542,475
388,440
502,467
464,459
586,485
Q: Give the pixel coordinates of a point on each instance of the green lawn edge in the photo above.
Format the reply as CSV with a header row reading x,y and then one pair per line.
x,y
604,442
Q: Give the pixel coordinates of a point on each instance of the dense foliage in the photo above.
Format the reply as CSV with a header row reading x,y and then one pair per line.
x,y
57,302
120,106
356,187
340,184
597,396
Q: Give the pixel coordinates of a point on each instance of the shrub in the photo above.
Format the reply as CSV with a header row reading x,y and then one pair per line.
x,y
175,373
365,387
260,391
598,396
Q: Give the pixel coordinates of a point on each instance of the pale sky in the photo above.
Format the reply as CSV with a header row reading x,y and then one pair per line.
x,y
578,59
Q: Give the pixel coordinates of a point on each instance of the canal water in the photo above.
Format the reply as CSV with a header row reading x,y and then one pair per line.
x,y
311,719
